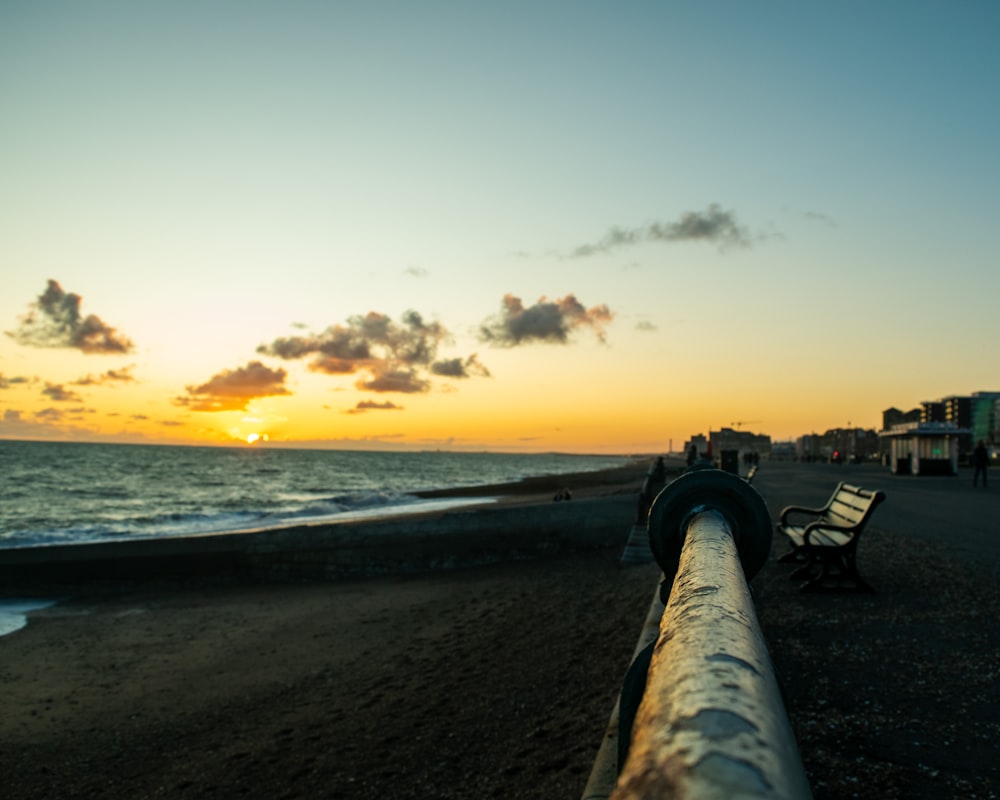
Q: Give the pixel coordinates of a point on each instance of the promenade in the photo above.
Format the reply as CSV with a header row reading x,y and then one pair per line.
x,y
894,694
945,510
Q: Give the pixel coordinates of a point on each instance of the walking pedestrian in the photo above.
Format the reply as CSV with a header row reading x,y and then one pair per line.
x,y
980,462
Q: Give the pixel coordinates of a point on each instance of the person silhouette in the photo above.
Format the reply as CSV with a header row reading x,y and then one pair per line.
x,y
980,461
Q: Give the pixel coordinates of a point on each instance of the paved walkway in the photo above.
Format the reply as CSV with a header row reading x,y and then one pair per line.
x,y
944,509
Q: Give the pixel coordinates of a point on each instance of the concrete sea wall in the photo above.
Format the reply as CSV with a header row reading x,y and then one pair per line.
x,y
461,537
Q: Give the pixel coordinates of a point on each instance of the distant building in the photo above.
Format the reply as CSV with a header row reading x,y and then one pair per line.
x,y
967,420
850,444
839,444
742,442
985,417
807,448
975,416
923,448
783,451
958,411
893,416
932,411
699,442
728,439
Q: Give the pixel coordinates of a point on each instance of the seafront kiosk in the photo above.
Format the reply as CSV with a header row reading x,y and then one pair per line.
x,y
923,448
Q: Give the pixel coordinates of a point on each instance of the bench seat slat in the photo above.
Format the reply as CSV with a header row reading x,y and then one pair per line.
x,y
821,537
849,512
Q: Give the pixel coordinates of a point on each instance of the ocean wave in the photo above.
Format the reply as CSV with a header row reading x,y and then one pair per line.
x,y
74,492
343,507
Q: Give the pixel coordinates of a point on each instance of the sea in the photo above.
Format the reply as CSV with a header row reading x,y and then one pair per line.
x,y
72,492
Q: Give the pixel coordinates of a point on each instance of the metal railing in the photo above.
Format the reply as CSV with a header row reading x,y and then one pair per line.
x,y
711,722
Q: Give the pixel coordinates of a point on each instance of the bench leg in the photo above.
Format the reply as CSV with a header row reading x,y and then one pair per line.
x,y
793,556
852,568
838,573
804,570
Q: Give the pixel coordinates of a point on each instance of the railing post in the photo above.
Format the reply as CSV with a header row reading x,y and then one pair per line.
x,y
711,723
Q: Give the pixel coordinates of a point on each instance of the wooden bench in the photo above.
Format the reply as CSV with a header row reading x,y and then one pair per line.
x,y
825,540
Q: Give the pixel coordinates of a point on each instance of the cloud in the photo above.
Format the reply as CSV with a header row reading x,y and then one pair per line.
x,y
371,405
406,381
123,375
459,368
58,424
231,390
547,321
712,225
48,424
54,320
60,394
7,383
49,415
395,356
819,216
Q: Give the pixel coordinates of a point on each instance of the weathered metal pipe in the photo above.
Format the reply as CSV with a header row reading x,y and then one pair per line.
x,y
711,723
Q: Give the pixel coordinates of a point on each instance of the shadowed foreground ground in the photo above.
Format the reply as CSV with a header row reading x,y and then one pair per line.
x,y
486,682
495,681
894,694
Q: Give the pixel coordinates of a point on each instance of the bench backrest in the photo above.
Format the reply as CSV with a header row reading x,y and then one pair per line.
x,y
852,505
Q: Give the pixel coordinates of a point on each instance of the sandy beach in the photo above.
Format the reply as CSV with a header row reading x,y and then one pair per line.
x,y
493,681
487,681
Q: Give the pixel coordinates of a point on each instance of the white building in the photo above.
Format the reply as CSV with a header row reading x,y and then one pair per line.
x,y
924,448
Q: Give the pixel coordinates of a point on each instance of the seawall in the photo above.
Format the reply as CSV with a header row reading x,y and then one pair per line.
x,y
460,537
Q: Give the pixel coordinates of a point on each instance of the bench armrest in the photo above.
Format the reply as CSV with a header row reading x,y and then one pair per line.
x,y
787,511
823,525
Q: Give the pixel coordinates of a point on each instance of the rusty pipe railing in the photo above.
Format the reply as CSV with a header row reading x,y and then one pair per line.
x,y
711,723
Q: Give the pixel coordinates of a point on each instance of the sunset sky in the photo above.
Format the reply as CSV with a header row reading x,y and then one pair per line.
x,y
573,226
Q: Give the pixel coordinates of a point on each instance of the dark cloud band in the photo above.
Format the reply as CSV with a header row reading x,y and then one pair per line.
x,y
712,225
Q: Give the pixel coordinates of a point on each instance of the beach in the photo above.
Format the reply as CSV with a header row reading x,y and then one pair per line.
x,y
494,680
448,683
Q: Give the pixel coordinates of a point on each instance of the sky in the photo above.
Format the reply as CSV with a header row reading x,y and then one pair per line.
x,y
552,226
